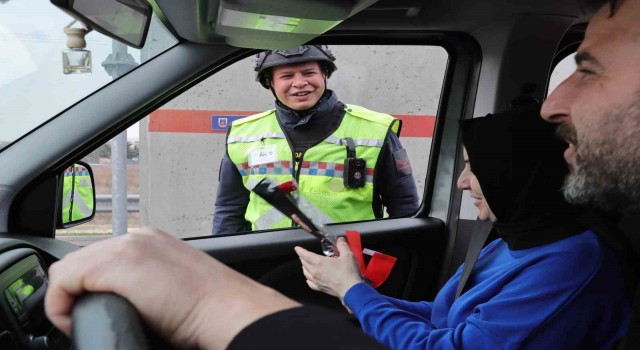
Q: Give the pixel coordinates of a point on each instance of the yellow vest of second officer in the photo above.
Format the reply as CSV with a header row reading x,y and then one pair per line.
x,y
80,206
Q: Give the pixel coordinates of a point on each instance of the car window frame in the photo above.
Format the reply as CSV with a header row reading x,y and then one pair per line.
x,y
458,46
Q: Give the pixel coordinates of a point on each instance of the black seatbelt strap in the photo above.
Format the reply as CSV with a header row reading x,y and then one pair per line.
x,y
478,239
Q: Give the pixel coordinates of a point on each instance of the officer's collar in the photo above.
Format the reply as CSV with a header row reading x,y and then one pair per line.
x,y
295,118
326,96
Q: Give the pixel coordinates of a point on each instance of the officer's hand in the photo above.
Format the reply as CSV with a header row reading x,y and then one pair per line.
x,y
181,293
330,275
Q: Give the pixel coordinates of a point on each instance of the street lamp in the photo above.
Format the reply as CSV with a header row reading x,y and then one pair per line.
x,y
117,64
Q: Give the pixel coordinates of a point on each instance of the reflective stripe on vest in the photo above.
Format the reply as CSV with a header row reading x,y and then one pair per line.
x,y
283,167
78,203
320,173
269,219
306,168
359,142
269,135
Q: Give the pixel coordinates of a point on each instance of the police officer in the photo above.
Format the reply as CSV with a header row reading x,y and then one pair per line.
x,y
347,160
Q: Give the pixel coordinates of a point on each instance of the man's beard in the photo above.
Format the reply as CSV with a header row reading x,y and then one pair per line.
x,y
606,174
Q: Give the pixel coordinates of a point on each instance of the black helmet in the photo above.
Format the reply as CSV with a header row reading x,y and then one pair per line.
x,y
304,53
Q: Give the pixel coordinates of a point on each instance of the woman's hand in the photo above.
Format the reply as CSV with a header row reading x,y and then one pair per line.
x,y
331,275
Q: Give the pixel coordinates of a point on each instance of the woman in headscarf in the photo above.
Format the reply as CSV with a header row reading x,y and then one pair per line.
x,y
546,282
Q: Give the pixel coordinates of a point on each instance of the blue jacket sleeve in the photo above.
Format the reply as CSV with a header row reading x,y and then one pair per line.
x,y
549,294
396,188
231,200
421,309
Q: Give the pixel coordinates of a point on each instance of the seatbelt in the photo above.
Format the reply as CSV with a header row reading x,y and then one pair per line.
x,y
478,239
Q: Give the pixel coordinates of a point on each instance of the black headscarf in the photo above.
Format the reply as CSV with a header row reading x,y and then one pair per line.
x,y
519,164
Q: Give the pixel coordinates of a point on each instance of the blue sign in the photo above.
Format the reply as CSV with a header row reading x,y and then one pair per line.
x,y
223,122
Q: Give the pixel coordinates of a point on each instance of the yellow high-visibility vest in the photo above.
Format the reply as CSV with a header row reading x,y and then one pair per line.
x,y
320,171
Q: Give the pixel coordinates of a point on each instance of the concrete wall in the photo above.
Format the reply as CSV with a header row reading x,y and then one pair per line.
x,y
179,170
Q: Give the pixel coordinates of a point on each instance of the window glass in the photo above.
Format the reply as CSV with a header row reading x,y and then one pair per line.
x,y
101,161
560,72
32,83
180,146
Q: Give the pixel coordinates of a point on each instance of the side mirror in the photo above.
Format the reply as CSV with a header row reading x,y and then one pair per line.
x,y
124,20
78,196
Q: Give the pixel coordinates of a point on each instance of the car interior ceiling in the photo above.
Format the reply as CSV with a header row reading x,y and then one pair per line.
x,y
437,15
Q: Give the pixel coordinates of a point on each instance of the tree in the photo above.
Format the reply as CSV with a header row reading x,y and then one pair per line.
x,y
133,151
103,151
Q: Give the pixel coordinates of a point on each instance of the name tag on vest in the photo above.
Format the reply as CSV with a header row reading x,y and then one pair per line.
x,y
263,155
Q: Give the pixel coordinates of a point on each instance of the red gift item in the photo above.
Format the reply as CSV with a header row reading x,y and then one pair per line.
x,y
380,265
288,186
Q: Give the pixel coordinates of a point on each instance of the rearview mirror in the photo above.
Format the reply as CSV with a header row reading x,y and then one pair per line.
x,y
77,204
124,20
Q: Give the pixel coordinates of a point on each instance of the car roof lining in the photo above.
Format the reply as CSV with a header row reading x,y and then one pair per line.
x,y
192,20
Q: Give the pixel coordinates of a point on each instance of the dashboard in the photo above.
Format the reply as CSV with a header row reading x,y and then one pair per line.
x,y
23,323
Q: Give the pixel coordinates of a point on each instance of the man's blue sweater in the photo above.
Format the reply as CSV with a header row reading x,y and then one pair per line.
x,y
569,294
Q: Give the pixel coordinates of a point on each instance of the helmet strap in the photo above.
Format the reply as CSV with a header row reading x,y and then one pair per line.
x,y
325,73
273,92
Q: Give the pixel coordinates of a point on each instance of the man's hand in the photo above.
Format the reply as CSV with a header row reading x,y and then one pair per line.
x,y
184,295
331,275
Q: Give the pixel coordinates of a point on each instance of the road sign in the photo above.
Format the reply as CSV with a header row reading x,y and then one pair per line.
x,y
223,122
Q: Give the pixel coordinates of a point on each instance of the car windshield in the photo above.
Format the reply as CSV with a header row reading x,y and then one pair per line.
x,y
33,86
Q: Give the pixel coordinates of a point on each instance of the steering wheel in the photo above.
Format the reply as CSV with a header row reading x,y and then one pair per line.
x,y
108,322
